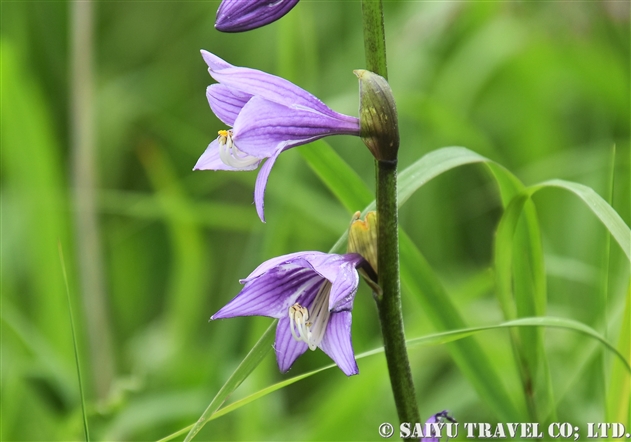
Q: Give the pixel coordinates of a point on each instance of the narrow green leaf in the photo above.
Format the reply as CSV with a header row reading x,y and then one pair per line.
x,y
428,340
249,363
417,278
338,176
594,202
526,268
416,275
619,395
86,431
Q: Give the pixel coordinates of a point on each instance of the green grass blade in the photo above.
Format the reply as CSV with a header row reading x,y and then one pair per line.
x,y
416,275
431,165
86,430
338,176
509,247
612,221
433,339
419,280
603,293
619,395
528,270
253,358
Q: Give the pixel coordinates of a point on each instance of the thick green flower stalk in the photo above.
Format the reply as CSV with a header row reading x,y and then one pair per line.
x,y
379,131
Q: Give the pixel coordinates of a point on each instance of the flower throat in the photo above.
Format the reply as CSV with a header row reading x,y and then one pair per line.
x,y
309,326
230,154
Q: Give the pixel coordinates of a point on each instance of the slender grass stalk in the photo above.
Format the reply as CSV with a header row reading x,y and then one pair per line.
x,y
86,430
604,292
83,173
389,300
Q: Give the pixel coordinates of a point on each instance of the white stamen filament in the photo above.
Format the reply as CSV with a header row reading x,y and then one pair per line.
x,y
230,154
308,326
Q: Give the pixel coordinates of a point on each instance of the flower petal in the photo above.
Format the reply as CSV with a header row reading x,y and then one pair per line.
x,y
272,293
284,259
337,342
214,63
286,347
261,184
341,271
210,160
328,264
264,126
240,15
344,289
226,102
437,418
268,86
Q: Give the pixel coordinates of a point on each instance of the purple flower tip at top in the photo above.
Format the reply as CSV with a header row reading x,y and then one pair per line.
x,y
311,294
268,115
244,15
438,418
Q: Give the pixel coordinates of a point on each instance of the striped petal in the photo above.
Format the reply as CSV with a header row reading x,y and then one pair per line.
x,y
286,347
268,86
284,259
272,293
241,15
268,115
225,102
264,126
337,342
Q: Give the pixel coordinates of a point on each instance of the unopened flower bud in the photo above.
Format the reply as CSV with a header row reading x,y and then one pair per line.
x,y
362,239
378,116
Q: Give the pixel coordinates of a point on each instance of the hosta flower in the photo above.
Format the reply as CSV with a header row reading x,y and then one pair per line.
x,y
268,115
311,294
243,15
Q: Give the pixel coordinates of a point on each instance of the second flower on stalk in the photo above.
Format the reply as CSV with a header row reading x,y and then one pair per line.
x,y
311,294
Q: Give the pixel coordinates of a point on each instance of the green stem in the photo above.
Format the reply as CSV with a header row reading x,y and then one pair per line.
x,y
374,37
389,300
84,159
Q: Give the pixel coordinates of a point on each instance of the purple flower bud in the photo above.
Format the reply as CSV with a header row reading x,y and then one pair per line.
x,y
244,15
437,418
311,294
268,115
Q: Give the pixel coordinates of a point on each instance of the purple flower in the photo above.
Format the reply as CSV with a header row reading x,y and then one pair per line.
x,y
311,294
243,15
433,425
268,115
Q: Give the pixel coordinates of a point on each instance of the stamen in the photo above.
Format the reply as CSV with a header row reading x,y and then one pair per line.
x,y
298,315
311,331
230,154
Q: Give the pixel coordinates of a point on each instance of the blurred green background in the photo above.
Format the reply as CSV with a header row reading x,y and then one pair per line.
x,y
104,115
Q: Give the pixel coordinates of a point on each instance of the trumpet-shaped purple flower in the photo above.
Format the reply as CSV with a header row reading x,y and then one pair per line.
x,y
243,15
268,115
311,294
